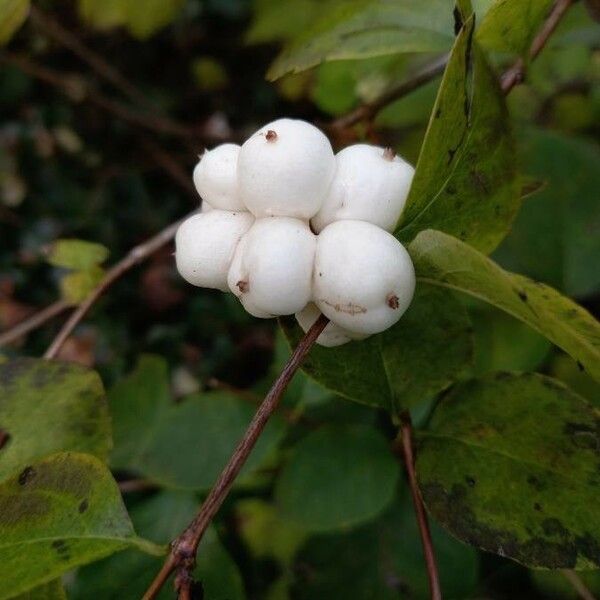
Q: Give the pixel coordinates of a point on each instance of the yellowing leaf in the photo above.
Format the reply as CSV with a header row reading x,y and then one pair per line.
x,y
12,15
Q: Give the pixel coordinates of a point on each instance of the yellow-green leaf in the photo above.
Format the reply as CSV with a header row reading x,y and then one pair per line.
x,y
77,254
55,514
509,463
442,260
12,15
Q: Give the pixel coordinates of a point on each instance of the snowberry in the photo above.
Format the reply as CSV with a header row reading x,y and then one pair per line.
x,y
364,279
205,244
371,184
271,271
215,177
332,335
285,170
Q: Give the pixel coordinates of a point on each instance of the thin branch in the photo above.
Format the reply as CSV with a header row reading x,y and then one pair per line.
x,y
578,585
404,443
185,546
513,76
34,321
516,74
76,88
105,70
171,166
135,485
369,110
133,257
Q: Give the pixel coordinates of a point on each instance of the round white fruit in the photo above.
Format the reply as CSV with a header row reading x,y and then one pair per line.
x,y
285,170
271,271
205,244
332,335
371,184
364,279
215,177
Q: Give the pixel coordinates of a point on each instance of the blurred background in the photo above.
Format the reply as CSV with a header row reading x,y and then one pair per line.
x,y
105,106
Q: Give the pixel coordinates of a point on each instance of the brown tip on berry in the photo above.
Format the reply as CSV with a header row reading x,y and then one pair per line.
x,y
243,286
389,154
393,302
271,136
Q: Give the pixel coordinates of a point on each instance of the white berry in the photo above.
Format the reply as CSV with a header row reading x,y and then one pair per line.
x,y
364,279
215,177
271,271
332,335
371,184
205,244
285,170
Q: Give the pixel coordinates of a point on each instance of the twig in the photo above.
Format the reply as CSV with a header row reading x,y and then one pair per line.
x,y
516,74
106,71
405,443
135,485
183,549
77,89
171,166
369,110
133,257
36,320
510,78
578,585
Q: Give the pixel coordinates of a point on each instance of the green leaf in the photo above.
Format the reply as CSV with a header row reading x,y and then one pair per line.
x,y
367,28
103,14
58,513
510,25
77,254
154,16
141,23
127,575
504,344
442,260
384,561
265,533
465,182
509,463
184,445
420,356
49,591
337,477
274,20
12,15
48,407
76,287
555,237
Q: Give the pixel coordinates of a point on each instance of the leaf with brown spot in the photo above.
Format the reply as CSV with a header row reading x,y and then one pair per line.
x,y
511,463
48,407
466,180
44,532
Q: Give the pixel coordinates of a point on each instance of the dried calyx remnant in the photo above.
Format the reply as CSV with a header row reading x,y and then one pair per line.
x,y
311,229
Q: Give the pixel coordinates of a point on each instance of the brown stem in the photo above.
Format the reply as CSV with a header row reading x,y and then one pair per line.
x,y
578,585
133,257
135,485
510,78
185,546
406,445
516,73
105,70
36,320
369,110
77,89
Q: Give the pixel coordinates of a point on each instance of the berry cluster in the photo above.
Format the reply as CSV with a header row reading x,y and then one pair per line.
x,y
289,227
